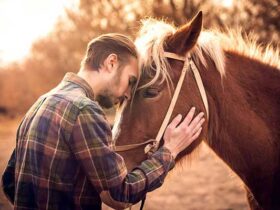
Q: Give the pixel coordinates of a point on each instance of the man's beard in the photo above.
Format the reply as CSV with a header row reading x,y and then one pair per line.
x,y
105,100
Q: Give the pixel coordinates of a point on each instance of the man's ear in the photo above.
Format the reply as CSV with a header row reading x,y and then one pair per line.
x,y
111,62
186,36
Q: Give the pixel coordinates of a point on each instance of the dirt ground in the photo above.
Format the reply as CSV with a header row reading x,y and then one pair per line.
x,y
205,183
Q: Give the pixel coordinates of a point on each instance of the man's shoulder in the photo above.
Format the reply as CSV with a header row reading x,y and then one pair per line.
x,y
73,94
78,101
86,104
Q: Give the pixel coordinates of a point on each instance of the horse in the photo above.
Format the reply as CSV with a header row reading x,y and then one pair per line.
x,y
241,80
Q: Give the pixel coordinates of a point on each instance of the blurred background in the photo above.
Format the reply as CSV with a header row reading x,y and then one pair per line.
x,y
41,40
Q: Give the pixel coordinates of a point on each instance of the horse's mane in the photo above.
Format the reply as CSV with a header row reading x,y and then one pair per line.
x,y
247,45
150,44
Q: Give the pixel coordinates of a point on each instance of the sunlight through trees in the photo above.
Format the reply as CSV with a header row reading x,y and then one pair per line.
x,y
62,50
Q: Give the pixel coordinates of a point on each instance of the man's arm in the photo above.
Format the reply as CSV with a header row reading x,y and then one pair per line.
x,y
8,179
106,170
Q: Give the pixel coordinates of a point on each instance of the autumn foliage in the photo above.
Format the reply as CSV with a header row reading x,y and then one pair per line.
x,y
62,50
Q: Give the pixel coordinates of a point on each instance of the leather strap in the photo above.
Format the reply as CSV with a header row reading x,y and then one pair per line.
x,y
174,98
197,77
200,86
174,56
152,145
188,65
122,148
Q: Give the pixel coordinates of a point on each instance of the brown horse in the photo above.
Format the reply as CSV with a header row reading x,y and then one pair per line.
x,y
242,84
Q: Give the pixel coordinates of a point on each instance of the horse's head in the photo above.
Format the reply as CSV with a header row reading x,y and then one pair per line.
x,y
142,118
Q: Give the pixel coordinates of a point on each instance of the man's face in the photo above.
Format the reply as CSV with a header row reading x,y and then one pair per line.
x,y
120,85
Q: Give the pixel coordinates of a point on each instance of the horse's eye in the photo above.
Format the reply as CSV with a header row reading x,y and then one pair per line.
x,y
150,92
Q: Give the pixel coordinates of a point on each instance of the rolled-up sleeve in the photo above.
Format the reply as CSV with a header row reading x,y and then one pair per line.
x,y
91,143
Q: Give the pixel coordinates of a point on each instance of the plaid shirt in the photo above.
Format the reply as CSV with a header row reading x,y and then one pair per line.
x,y
63,157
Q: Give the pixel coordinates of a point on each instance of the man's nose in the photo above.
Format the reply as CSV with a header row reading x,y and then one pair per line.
x,y
127,94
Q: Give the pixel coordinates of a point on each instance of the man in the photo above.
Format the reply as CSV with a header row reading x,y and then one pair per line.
x,y
63,158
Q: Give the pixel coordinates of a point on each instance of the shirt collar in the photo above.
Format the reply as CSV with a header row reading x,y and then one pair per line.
x,y
74,78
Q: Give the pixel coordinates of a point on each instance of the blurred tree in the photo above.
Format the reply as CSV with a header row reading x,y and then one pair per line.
x,y
266,19
62,50
253,16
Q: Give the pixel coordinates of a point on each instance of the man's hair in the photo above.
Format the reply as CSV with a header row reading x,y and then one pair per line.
x,y
101,47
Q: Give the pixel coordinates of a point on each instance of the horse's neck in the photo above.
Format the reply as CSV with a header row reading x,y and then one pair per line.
x,y
244,113
249,93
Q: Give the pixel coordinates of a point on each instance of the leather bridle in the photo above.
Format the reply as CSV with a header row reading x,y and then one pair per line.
x,y
153,144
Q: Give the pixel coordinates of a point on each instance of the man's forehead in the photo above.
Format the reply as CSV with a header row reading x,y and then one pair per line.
x,y
135,70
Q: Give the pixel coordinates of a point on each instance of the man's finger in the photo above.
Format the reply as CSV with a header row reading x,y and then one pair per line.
x,y
198,126
196,120
196,135
175,121
189,117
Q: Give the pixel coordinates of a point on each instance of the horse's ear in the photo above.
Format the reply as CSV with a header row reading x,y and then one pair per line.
x,y
186,36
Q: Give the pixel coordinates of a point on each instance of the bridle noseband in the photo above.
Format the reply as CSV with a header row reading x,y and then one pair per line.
x,y
153,144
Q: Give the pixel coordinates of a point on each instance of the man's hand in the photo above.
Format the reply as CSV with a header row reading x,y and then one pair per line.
x,y
178,137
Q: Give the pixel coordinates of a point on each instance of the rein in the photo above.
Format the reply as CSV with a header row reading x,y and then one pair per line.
x,y
153,144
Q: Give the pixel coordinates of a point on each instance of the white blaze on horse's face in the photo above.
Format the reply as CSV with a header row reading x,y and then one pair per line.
x,y
118,118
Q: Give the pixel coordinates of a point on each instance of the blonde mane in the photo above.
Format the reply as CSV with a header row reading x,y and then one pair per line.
x,y
150,45
247,45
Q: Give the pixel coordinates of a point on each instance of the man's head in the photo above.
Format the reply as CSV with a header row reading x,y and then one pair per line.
x,y
112,59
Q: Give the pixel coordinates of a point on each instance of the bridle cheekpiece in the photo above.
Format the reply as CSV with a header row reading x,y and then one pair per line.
x,y
153,144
